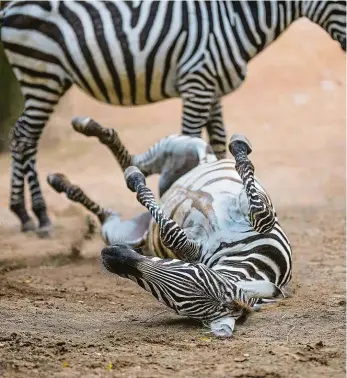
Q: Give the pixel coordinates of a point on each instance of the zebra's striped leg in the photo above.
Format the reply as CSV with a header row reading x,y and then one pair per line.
x,y
172,236
106,136
17,200
171,157
216,130
261,212
60,183
23,140
198,105
41,91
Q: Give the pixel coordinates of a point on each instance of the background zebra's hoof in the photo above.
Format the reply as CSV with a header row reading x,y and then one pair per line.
x,y
237,140
133,177
86,126
28,226
45,232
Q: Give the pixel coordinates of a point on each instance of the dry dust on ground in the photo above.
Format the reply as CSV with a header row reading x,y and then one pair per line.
x,y
62,316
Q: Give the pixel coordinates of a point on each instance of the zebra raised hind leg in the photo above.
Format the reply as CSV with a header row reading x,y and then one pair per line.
x,y
171,157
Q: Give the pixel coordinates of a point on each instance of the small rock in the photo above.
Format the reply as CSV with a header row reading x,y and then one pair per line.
x,y
240,359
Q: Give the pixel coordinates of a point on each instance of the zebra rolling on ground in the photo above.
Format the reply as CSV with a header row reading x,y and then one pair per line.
x,y
213,250
135,53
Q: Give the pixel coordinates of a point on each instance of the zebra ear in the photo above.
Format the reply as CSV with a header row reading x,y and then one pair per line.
x,y
260,289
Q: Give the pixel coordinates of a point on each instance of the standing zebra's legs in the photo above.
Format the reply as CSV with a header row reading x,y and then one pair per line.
x,y
199,103
216,130
17,200
41,91
24,140
172,236
261,212
171,157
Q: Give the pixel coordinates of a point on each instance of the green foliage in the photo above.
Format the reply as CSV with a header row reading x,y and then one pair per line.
x,y
11,100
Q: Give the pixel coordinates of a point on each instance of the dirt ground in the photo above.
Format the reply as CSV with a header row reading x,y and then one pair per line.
x,y
62,316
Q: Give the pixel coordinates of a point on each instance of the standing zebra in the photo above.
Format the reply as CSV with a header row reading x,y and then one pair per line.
x,y
213,249
135,53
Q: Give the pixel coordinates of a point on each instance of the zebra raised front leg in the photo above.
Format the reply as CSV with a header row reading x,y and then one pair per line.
x,y
61,184
261,212
114,229
172,236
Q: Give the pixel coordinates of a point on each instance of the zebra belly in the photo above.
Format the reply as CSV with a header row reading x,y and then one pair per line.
x,y
209,203
96,45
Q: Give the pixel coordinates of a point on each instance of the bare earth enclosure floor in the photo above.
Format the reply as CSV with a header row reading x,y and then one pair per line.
x,y
62,316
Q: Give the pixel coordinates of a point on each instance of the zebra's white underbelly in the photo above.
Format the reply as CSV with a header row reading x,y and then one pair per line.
x,y
209,202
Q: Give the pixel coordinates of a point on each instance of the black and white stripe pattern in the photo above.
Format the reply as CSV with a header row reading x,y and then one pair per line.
x,y
134,53
206,251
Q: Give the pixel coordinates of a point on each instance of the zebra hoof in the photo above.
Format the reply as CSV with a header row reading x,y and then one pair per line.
x,y
45,232
28,226
86,126
238,140
133,177
57,181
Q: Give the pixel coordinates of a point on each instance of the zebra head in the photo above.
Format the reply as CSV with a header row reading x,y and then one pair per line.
x,y
191,290
330,15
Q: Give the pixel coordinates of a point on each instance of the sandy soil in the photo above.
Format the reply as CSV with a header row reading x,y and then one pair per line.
x,y
62,316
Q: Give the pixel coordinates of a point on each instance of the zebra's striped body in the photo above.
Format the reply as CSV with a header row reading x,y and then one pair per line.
x,y
134,53
213,249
